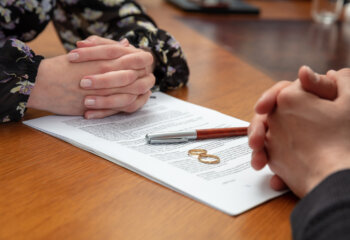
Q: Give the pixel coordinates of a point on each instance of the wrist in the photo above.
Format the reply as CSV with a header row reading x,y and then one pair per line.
x,y
36,99
335,162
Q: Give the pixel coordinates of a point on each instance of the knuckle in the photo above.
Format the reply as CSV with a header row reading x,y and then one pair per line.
x,y
285,98
103,83
93,38
104,67
138,58
123,63
130,76
143,59
145,85
153,79
127,99
112,51
131,108
149,58
111,102
104,102
283,83
142,87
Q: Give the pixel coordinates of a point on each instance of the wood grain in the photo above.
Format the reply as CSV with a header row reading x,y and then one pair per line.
x,y
50,189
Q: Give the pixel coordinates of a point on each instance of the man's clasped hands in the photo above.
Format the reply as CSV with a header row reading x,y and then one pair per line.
x,y
99,78
301,130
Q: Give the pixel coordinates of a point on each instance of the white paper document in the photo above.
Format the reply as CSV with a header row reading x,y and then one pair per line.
x,y
231,186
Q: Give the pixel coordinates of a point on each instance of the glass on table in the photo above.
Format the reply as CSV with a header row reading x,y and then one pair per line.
x,y
326,11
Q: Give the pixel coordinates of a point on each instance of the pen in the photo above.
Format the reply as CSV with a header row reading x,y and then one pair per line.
x,y
179,137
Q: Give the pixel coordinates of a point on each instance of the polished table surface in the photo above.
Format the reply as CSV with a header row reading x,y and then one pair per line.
x,y
50,189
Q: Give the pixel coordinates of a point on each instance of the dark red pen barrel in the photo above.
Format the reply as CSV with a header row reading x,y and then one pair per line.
x,y
221,132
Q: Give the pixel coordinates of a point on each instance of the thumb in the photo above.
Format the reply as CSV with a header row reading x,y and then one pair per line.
x,y
342,80
320,85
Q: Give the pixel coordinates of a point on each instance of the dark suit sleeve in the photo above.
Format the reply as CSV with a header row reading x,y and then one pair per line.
x,y
325,212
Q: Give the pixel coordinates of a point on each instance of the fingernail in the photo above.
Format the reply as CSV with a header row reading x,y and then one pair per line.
x,y
73,56
124,42
85,83
312,75
85,41
90,102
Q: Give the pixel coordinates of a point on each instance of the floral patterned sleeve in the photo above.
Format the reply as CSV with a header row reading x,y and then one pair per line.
x,y
18,63
18,69
117,19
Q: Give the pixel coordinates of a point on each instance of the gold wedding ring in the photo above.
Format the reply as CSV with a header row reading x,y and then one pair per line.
x,y
194,152
203,156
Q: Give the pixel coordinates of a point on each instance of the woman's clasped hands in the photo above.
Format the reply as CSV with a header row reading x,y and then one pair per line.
x,y
100,78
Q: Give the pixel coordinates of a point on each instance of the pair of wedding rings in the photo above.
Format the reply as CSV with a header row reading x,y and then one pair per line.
x,y
203,157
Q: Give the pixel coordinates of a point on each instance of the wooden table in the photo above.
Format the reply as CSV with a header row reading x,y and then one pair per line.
x,y
50,189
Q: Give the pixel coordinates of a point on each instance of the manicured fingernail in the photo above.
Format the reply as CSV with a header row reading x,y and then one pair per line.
x,y
85,41
90,102
124,42
73,56
85,83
